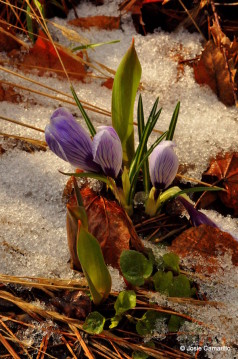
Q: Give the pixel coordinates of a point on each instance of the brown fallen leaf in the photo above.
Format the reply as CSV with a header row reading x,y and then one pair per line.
x,y
212,70
108,222
8,40
75,304
108,83
7,93
101,22
44,57
203,245
224,171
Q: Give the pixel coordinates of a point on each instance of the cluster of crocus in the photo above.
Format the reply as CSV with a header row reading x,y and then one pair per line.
x,y
103,154
69,141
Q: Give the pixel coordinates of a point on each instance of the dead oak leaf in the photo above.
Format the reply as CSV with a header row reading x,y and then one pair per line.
x,y
101,22
108,83
43,57
212,70
224,171
203,246
108,222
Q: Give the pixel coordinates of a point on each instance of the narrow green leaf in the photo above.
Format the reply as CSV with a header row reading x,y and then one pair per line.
x,y
141,126
93,265
83,112
173,123
135,267
77,193
88,175
78,213
58,5
124,90
91,46
94,323
141,149
199,189
134,178
29,24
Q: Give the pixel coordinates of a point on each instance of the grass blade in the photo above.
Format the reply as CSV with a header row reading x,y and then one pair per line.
x,y
173,123
134,178
84,114
92,46
143,141
141,126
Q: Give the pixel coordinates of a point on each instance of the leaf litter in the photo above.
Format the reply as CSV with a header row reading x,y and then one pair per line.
x,y
30,218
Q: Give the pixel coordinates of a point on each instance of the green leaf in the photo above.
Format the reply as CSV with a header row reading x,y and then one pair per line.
x,y
198,189
171,262
94,323
124,90
126,300
173,286
173,123
115,321
163,281
141,126
93,265
91,46
147,324
29,24
89,175
83,112
135,267
175,323
175,191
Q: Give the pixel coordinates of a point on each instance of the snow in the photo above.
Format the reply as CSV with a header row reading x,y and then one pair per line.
x,y
32,213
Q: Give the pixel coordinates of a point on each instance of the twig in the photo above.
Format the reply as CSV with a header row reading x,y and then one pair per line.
x,y
21,123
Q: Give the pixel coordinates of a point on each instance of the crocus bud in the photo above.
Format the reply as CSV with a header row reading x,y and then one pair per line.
x,y
163,165
107,151
197,218
69,141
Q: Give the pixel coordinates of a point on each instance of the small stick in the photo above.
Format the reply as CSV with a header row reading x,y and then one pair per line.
x,y
21,124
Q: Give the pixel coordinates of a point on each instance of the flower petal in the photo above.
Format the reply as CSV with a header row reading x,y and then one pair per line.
x,y
163,165
196,216
107,151
68,140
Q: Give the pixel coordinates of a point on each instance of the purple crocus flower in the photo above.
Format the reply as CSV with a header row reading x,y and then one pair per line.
x,y
196,216
163,165
69,141
107,150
